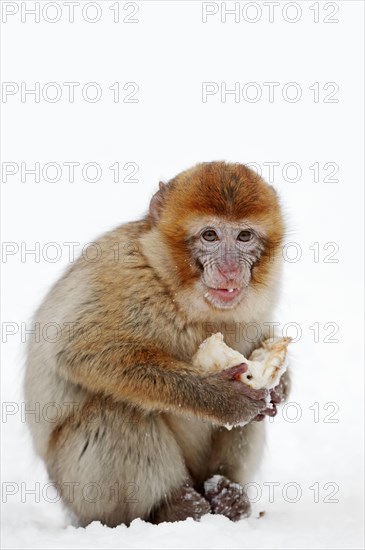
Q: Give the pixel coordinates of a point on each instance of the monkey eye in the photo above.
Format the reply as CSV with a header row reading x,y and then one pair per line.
x,y
210,235
244,236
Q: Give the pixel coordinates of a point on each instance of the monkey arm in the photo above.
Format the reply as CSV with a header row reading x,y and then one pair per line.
x,y
154,381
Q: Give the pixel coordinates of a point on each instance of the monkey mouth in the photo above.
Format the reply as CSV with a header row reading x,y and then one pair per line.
x,y
225,295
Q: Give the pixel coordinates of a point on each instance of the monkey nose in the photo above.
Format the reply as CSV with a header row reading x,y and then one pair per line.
x,y
229,270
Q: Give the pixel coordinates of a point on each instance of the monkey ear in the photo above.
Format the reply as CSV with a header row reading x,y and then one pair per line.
x,y
157,202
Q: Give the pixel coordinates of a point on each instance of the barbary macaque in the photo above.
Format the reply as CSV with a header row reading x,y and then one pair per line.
x,y
140,431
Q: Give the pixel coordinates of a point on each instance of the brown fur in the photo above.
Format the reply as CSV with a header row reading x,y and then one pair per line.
x,y
142,414
232,192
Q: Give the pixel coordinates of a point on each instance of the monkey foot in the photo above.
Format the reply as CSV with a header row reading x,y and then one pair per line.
x,y
186,503
227,498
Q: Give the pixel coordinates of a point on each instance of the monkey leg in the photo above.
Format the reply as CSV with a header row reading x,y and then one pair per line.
x,y
113,463
235,456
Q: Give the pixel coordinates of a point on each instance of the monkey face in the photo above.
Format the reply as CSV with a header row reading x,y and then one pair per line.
x,y
221,227
225,254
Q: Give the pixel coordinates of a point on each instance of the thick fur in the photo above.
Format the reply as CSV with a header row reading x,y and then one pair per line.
x,y
136,422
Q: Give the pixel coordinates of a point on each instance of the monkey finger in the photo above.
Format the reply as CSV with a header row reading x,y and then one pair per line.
x,y
275,397
257,395
270,411
233,373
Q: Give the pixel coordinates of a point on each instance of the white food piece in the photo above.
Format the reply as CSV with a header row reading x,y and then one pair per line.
x,y
214,355
265,366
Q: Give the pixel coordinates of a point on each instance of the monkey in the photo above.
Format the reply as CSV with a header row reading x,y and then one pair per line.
x,y
139,432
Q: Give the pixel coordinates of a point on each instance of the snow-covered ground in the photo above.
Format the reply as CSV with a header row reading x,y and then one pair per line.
x,y
310,483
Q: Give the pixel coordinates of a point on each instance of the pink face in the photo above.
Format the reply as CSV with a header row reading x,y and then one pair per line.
x,y
225,254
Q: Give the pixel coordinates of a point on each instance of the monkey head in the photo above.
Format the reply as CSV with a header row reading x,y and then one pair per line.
x,y
222,228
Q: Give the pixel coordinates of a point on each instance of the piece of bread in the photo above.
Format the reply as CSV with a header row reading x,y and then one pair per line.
x,y
265,365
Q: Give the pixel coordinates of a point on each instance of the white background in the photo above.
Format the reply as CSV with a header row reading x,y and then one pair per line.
x,y
169,53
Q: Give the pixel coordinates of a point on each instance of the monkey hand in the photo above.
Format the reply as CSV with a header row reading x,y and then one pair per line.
x,y
278,395
236,403
281,392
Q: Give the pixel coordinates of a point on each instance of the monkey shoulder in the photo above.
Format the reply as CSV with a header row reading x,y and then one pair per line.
x,y
122,286
123,266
